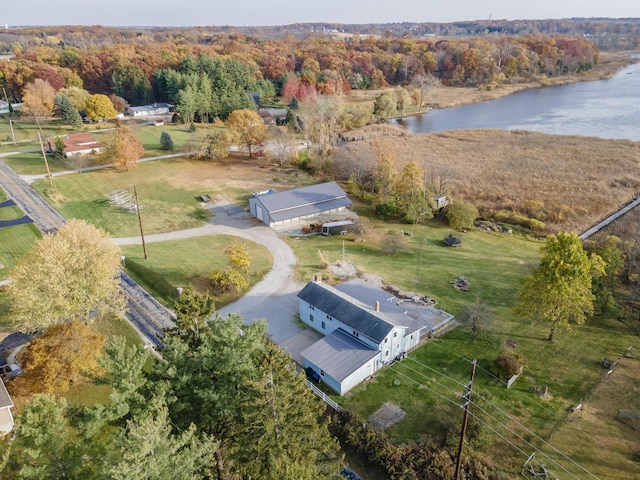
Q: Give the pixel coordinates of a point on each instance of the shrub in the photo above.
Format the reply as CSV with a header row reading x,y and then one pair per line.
x,y
392,243
166,143
390,209
506,365
461,214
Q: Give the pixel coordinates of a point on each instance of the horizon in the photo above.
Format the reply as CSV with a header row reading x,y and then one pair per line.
x,y
271,13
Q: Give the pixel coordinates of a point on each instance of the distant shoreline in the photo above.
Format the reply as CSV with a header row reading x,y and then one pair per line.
x,y
610,64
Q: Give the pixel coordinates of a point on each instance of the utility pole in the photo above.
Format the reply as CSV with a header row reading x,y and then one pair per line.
x,y
144,246
44,155
465,419
13,135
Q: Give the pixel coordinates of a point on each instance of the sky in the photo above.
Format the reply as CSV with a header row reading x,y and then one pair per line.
x,y
284,12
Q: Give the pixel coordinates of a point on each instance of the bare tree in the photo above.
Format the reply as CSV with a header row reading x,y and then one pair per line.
x,y
425,83
282,144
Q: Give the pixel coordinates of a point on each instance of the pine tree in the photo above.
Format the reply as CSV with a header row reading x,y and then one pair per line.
x,y
166,143
66,111
42,438
282,432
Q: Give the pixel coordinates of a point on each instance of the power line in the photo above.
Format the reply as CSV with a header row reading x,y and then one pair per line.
x,y
528,431
494,418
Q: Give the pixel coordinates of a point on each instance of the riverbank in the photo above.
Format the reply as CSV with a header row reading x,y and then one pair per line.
x,y
447,97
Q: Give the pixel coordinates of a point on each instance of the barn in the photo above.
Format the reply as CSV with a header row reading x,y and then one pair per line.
x,y
314,203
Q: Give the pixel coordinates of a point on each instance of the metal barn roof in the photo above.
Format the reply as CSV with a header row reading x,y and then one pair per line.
x,y
304,201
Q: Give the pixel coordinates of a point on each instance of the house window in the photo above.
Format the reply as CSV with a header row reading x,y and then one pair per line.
x,y
323,326
311,318
411,337
395,334
312,307
386,354
322,373
386,340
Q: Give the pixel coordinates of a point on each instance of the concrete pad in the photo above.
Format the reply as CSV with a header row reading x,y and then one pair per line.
x,y
298,343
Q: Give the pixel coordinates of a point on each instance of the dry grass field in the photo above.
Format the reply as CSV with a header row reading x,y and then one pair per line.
x,y
568,182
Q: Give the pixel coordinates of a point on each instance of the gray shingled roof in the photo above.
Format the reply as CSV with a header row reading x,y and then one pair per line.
x,y
347,310
304,201
339,354
400,312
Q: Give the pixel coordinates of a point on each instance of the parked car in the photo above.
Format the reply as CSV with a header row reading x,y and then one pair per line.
x,y
8,370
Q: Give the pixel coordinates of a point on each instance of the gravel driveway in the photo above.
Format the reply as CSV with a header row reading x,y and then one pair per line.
x,y
274,297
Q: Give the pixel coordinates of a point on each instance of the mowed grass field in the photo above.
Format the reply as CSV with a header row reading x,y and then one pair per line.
x,y
192,261
429,384
168,190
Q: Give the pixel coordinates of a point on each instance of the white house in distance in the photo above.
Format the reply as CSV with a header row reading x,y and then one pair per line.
x,y
365,329
314,203
150,110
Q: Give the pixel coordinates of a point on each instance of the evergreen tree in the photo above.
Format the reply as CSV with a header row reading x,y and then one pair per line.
x,y
66,111
42,439
282,432
131,83
166,143
149,450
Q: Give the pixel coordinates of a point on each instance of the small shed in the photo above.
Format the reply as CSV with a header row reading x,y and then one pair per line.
x,y
441,201
337,228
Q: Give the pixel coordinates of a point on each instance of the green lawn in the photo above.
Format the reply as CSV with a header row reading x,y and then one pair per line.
x,y
14,242
431,379
168,202
190,261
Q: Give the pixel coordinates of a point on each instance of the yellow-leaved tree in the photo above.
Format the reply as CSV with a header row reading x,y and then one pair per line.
x,y
73,274
122,148
66,354
559,291
247,128
100,108
37,100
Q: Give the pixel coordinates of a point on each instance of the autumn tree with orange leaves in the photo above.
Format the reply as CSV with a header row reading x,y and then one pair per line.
x,y
122,148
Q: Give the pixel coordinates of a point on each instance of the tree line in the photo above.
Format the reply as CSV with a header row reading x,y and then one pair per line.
x,y
217,68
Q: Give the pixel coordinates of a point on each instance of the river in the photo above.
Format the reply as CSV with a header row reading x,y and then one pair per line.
x,y
604,108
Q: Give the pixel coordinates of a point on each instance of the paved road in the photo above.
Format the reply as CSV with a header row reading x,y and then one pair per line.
x,y
274,297
43,215
145,313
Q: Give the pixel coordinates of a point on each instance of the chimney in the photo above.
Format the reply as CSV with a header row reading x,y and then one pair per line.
x,y
317,277
377,306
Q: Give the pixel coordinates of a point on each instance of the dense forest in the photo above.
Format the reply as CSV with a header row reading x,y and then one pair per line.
x,y
216,69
